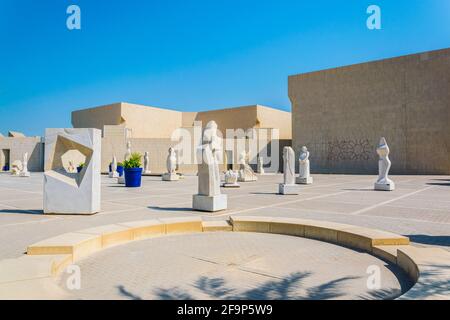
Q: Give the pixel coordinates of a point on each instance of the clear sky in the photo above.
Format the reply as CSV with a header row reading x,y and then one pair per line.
x,y
192,54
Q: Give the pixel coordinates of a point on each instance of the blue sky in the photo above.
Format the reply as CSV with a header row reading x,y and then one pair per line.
x,y
190,55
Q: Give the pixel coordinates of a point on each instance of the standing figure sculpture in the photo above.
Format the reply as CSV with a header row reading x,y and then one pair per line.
x,y
209,197
25,172
71,167
304,168
246,173
288,186
121,179
261,166
114,173
128,152
384,165
147,163
171,164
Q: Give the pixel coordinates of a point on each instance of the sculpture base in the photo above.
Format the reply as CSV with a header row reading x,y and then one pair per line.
x,y
288,189
385,187
248,179
209,204
170,177
121,180
114,174
147,172
24,174
308,180
231,185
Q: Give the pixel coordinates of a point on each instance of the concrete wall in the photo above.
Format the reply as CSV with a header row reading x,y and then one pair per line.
x,y
143,121
277,119
149,122
18,146
150,129
233,118
98,117
340,114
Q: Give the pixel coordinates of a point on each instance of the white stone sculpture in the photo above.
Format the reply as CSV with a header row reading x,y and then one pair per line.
x,y
121,180
231,179
209,197
114,173
261,166
128,153
71,168
288,187
304,168
147,163
16,168
72,193
384,164
171,164
246,173
24,172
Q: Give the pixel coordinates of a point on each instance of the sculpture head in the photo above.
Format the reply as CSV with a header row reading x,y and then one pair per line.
x,y
383,148
171,151
210,132
304,149
286,152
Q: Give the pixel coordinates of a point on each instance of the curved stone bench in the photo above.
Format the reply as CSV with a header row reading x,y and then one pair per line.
x,y
32,276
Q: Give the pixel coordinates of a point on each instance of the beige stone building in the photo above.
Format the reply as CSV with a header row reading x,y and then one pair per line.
x,y
341,113
13,147
263,130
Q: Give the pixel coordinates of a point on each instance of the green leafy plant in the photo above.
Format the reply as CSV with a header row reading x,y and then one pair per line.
x,y
119,164
81,165
133,162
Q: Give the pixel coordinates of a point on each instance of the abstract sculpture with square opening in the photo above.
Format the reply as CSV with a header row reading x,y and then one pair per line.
x,y
67,192
209,197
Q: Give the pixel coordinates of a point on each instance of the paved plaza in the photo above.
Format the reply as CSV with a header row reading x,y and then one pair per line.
x,y
419,208
233,266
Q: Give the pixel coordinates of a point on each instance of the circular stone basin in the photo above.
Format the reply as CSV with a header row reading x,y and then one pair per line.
x,y
229,265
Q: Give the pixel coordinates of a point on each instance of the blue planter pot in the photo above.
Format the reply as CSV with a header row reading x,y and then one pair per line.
x,y
120,170
110,169
79,169
6,168
133,177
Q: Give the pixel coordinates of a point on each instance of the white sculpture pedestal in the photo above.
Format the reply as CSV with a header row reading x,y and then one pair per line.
x,y
304,180
147,172
288,189
114,174
121,180
210,204
25,174
247,178
170,177
385,187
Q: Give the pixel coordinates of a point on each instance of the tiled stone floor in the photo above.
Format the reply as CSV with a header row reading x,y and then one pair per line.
x,y
233,266
419,208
